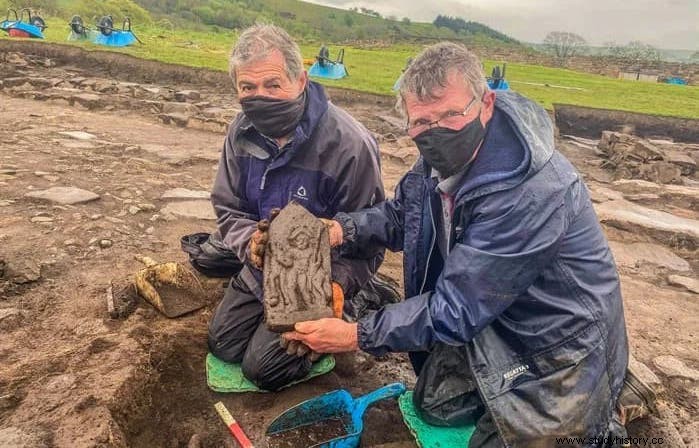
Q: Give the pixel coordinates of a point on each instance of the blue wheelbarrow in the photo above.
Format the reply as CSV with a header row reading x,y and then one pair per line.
x,y
32,27
333,406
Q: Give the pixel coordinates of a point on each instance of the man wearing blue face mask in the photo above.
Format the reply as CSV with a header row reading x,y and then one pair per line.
x,y
288,144
513,318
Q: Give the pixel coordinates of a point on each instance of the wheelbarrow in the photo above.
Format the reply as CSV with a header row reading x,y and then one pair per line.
x,y
336,406
170,287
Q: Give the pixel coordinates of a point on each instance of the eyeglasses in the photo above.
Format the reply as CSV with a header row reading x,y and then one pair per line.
x,y
453,120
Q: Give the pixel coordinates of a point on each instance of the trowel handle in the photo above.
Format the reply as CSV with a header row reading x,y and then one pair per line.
x,y
389,391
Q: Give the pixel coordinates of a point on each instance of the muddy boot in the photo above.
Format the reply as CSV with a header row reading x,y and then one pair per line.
x,y
636,400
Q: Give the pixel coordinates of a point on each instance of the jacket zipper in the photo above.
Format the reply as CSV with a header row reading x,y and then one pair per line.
x,y
267,170
429,254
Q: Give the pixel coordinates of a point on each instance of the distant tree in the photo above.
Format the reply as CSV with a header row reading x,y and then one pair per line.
x,y
635,52
349,20
392,18
406,20
694,57
564,45
455,24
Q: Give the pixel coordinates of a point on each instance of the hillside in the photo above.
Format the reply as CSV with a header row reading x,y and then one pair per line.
x,y
304,20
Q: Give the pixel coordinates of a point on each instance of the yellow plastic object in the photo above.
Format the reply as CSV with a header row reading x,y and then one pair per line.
x,y
170,287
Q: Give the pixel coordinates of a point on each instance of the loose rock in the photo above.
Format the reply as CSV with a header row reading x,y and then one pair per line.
x,y
690,284
78,135
22,270
41,219
64,195
184,95
673,367
643,372
184,193
190,209
10,318
636,254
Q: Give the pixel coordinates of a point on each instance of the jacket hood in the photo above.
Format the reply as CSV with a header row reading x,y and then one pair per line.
x,y
519,142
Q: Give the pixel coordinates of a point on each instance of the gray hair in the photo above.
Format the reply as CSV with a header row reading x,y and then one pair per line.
x,y
431,69
257,41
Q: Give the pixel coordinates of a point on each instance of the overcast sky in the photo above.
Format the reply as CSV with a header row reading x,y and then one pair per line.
x,y
663,23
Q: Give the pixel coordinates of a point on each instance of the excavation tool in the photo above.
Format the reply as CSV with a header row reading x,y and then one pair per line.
x,y
329,410
170,287
233,426
17,26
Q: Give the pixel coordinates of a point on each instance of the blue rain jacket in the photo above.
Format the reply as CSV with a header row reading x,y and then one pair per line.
x,y
529,286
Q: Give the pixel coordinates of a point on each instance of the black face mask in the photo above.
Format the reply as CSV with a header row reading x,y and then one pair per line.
x,y
449,151
274,117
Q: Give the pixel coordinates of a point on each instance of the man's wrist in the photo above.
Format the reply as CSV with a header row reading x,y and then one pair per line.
x,y
347,227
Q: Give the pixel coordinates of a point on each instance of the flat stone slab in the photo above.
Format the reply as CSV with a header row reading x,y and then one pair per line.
x,y
602,194
64,195
683,193
671,366
199,209
666,227
184,193
78,135
636,254
296,270
690,284
184,95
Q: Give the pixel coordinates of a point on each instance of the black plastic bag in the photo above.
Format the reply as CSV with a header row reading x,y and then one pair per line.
x,y
445,393
209,256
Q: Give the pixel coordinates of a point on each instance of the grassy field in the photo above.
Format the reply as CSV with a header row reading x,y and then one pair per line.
x,y
375,70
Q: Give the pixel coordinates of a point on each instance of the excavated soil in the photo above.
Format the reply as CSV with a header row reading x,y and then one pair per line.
x,y
73,377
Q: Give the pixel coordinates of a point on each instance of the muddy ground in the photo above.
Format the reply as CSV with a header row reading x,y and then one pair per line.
x,y
71,376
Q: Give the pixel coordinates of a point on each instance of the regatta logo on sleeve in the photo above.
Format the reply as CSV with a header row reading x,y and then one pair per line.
x,y
517,371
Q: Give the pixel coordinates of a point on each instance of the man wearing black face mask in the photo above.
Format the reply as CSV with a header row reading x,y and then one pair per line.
x,y
288,144
513,320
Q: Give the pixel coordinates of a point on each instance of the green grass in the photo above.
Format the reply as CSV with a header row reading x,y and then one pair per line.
x,y
374,70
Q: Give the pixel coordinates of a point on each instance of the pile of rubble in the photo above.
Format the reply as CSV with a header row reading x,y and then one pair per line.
x,y
659,161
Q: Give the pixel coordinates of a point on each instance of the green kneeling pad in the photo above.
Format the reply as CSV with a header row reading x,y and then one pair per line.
x,y
428,436
222,376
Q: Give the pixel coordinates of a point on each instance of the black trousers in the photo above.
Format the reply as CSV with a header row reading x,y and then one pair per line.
x,y
238,335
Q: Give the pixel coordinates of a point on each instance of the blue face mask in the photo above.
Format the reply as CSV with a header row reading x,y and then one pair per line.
x,y
449,151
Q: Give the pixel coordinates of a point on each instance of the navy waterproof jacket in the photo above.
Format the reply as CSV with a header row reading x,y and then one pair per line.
x,y
330,165
529,286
